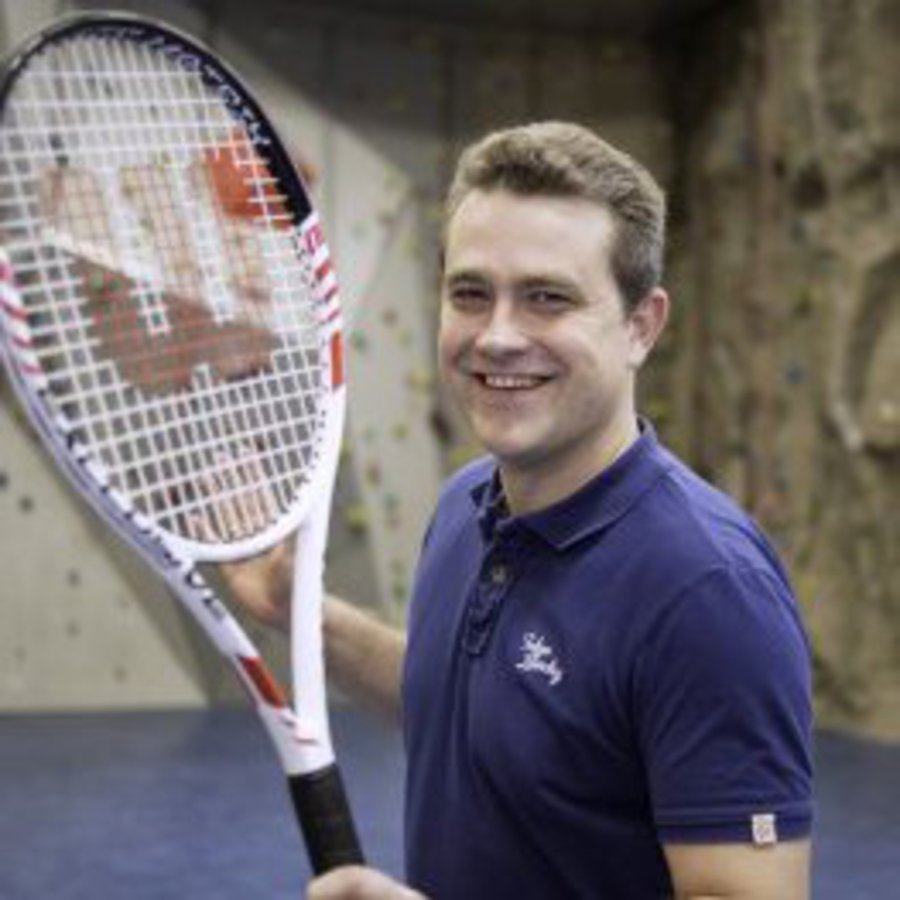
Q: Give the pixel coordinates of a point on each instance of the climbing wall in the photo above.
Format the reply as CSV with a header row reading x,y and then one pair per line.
x,y
775,127
374,111
781,378
81,625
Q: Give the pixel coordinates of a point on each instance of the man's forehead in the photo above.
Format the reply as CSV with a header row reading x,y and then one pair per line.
x,y
541,236
500,194
545,211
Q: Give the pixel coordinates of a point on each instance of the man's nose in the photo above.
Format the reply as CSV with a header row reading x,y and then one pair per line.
x,y
502,330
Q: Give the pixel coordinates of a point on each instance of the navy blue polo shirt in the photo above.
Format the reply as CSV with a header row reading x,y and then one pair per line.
x,y
623,669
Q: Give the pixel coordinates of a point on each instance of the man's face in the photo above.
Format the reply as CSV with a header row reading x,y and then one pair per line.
x,y
534,341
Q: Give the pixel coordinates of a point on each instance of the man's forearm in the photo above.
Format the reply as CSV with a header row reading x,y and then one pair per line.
x,y
740,871
364,657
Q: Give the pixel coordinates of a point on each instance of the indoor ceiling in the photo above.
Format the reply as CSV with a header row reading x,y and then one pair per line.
x,y
637,16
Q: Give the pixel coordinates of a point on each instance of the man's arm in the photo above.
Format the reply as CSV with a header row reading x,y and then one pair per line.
x,y
363,656
699,872
740,871
726,724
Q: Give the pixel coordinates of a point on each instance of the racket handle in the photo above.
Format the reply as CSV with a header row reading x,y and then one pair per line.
x,y
325,820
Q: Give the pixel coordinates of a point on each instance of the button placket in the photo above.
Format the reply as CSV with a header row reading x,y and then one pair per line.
x,y
494,580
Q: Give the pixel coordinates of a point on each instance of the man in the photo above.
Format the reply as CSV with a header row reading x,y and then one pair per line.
x,y
605,691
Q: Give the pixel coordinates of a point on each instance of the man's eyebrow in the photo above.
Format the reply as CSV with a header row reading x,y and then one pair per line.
x,y
461,275
536,279
555,281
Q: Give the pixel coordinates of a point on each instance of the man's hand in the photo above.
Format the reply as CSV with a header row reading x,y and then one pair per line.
x,y
359,883
363,656
262,585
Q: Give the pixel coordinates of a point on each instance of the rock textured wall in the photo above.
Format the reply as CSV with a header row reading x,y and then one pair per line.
x,y
781,379
780,144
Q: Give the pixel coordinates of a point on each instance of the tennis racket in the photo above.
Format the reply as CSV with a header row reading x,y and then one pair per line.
x,y
170,321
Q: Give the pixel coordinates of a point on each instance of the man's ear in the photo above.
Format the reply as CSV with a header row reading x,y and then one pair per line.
x,y
646,321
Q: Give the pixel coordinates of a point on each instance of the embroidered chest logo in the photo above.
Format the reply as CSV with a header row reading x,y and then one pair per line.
x,y
538,656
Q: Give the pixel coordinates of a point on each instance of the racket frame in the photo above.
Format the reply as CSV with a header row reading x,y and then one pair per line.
x,y
300,734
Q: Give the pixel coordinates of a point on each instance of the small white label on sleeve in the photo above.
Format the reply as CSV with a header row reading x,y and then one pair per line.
x,y
764,829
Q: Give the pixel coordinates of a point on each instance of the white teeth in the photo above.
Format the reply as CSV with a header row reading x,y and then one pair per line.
x,y
511,382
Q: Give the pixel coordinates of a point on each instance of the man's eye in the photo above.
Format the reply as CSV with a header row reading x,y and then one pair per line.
x,y
467,297
549,300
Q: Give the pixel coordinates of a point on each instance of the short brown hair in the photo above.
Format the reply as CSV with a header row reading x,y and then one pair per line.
x,y
566,160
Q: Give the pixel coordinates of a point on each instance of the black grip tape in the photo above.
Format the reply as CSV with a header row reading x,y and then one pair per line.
x,y
324,815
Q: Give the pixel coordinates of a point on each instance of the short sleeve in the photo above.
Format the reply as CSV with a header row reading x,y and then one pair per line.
x,y
723,710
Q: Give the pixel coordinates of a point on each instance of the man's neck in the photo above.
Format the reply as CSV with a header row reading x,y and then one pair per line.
x,y
531,488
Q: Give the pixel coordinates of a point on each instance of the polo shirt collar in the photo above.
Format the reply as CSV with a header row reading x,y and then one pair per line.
x,y
592,508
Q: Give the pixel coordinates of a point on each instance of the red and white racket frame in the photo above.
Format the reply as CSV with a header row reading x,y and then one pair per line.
x,y
300,730
300,734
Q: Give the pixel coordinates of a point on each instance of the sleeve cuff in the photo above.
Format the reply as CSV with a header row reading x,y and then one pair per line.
x,y
758,826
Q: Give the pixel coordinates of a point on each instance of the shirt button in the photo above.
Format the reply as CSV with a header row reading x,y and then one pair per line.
x,y
499,574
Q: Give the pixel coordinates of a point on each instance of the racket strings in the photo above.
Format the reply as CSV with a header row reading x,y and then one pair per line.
x,y
171,304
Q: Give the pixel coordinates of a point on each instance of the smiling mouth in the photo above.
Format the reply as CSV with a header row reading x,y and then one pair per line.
x,y
510,382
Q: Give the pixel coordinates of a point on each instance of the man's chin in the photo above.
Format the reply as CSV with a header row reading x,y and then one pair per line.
x,y
509,451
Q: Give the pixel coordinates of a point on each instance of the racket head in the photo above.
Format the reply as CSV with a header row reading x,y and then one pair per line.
x,y
169,313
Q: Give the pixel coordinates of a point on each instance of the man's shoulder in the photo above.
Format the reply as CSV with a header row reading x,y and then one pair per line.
x,y
694,526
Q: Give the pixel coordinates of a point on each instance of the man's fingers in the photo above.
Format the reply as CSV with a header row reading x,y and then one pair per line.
x,y
236,498
359,883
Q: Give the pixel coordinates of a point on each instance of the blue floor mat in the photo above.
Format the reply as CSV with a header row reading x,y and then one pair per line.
x,y
152,806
